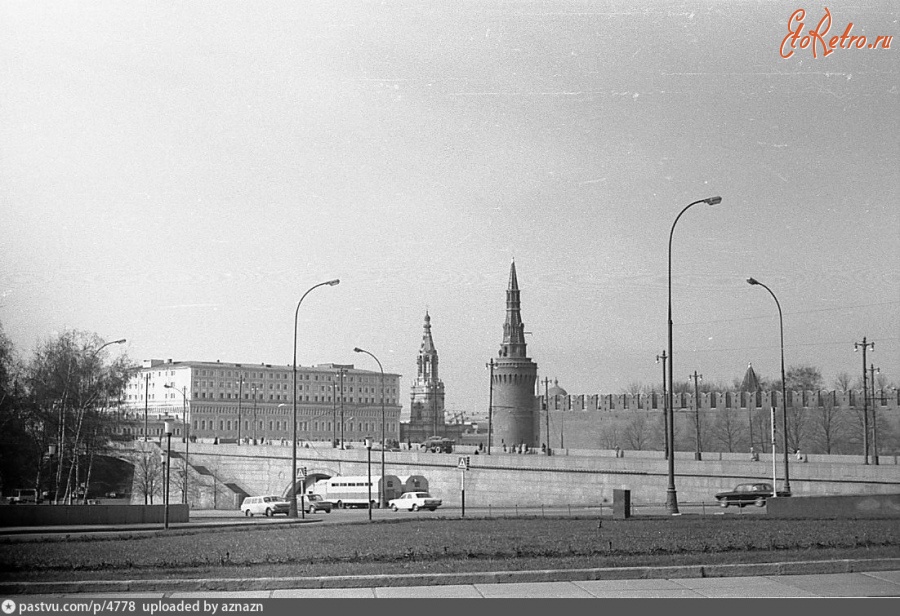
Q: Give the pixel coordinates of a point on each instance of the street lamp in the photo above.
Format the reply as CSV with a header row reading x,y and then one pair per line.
x,y
187,437
369,455
381,501
103,346
856,346
293,502
697,378
671,496
254,413
665,404
872,371
168,430
787,478
240,394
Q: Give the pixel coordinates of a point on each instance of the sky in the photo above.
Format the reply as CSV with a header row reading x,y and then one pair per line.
x,y
179,174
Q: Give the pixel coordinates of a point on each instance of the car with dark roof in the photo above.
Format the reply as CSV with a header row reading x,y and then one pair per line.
x,y
749,494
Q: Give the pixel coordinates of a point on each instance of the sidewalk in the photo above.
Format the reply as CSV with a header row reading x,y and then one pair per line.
x,y
867,584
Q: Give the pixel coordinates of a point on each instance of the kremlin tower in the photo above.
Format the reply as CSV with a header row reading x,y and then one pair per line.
x,y
514,405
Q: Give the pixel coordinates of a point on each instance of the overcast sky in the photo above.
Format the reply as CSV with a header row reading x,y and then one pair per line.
x,y
179,174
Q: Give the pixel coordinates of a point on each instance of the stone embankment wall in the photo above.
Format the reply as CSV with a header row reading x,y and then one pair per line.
x,y
506,480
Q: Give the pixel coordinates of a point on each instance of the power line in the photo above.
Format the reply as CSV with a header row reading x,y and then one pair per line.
x,y
789,313
801,344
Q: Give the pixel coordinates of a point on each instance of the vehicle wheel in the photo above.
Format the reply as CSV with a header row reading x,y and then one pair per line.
x,y
760,502
328,511
394,507
247,513
311,510
268,513
340,504
433,508
415,507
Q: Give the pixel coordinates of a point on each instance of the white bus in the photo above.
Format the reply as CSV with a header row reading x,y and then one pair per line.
x,y
353,491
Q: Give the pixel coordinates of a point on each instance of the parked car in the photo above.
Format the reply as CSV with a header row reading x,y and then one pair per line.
x,y
748,494
437,444
413,501
315,502
265,505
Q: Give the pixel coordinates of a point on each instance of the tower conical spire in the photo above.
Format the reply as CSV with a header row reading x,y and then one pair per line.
x,y
513,329
428,357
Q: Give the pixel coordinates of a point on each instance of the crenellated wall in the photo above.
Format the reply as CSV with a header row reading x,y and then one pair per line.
x,y
818,421
888,399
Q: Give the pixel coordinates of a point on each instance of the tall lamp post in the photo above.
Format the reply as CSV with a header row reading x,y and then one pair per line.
x,y
697,378
254,413
671,496
168,463
864,346
491,409
872,371
665,404
383,443
787,477
369,464
187,437
240,395
293,501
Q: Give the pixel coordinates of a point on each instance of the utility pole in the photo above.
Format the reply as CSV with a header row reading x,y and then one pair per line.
x,y
856,346
666,446
697,378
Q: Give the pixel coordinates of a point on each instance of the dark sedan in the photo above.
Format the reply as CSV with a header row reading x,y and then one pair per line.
x,y
748,494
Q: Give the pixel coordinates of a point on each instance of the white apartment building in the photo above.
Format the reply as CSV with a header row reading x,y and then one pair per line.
x,y
227,402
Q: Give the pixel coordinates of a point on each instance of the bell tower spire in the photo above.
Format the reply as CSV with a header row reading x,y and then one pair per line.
x,y
427,402
513,329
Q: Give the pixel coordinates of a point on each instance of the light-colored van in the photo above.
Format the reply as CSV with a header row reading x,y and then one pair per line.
x,y
265,505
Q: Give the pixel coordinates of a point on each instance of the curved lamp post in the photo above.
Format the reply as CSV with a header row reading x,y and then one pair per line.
x,y
383,442
787,478
103,346
187,437
671,496
293,502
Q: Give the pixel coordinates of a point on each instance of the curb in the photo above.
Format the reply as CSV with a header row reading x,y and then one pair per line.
x,y
445,579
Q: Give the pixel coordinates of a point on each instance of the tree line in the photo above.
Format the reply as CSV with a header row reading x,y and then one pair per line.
x,y
54,418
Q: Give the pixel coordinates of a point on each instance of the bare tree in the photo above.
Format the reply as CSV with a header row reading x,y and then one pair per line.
x,y
842,381
829,424
609,436
149,472
637,432
729,431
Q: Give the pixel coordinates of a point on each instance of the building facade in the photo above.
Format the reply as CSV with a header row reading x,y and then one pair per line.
x,y
231,402
514,406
